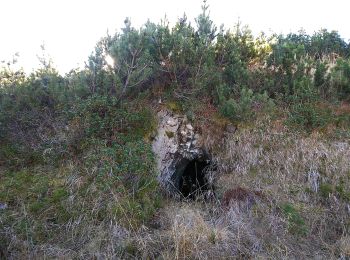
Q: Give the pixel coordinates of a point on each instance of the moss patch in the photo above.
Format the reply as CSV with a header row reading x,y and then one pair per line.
x,y
169,134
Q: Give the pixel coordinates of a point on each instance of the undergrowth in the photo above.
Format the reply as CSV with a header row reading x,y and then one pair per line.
x,y
77,172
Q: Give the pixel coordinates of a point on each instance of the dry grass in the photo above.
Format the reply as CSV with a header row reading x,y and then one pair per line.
x,y
271,211
279,164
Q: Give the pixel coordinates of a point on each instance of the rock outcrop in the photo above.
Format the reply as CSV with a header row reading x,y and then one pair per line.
x,y
175,145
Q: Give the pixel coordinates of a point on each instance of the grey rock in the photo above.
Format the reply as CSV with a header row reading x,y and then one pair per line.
x,y
189,127
173,154
314,180
171,122
230,128
3,206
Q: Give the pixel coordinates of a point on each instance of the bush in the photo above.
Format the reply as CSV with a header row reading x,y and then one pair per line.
x,y
30,115
323,83
113,143
340,78
128,170
325,190
309,116
296,224
241,109
109,119
246,106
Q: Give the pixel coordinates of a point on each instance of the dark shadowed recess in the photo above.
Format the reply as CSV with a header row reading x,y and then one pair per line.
x,y
192,177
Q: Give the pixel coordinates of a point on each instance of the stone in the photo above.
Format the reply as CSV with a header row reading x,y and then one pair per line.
x,y
230,128
171,122
314,180
174,151
189,127
3,206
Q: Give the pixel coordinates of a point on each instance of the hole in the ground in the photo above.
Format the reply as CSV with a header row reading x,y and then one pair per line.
x,y
194,179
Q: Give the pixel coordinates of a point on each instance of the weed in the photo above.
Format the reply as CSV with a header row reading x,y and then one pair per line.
x,y
326,189
296,224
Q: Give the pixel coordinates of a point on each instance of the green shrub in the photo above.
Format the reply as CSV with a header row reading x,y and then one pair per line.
x,y
309,116
114,145
35,197
296,224
105,117
322,80
241,109
304,91
245,108
325,190
320,74
128,171
343,192
30,115
340,78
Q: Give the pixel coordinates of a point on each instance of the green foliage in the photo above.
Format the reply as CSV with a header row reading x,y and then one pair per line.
x,y
121,174
37,192
303,91
241,109
233,53
174,106
127,169
310,116
96,121
133,63
343,191
288,62
320,74
34,103
105,117
295,56
296,224
340,78
113,144
325,190
324,43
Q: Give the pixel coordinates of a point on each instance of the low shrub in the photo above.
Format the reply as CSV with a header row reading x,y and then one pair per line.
x,y
309,116
325,190
340,78
296,224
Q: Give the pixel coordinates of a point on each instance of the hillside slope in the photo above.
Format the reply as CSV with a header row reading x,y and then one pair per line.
x,y
268,116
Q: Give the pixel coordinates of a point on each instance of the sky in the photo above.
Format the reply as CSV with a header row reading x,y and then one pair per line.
x,y
69,29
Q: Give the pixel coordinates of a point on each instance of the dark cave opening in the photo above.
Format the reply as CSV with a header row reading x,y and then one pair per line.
x,y
193,181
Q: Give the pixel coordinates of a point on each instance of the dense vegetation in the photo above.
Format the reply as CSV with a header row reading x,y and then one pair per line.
x,y
75,150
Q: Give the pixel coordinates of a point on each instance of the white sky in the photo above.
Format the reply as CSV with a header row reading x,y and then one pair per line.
x,y
70,28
